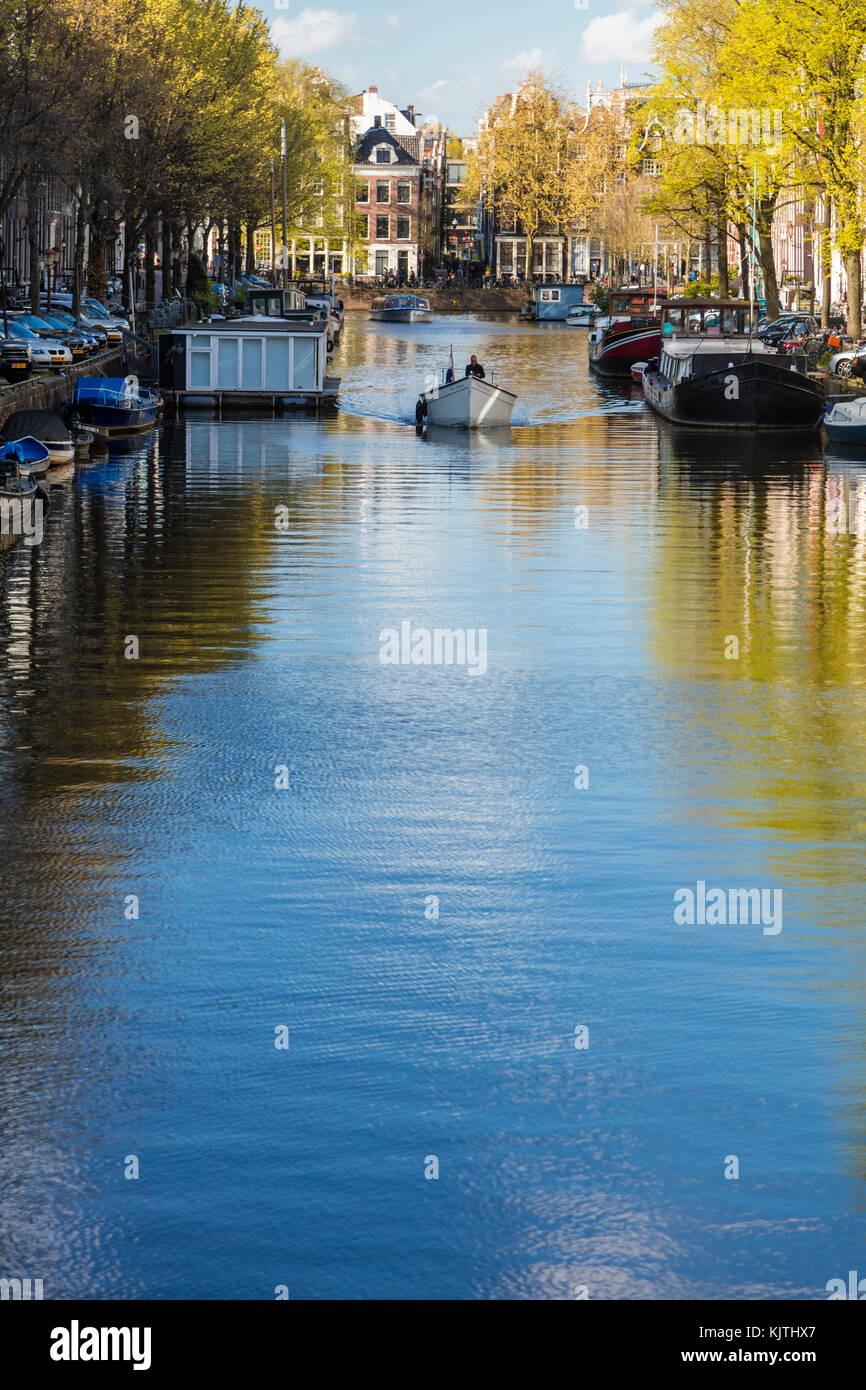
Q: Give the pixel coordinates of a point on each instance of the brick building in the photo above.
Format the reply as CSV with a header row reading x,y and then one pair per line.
x,y
398,170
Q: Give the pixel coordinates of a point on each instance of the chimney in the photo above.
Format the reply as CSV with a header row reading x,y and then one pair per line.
x,y
410,112
377,122
374,90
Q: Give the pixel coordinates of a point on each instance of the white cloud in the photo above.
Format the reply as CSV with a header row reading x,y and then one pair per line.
x,y
392,21
529,58
313,31
619,38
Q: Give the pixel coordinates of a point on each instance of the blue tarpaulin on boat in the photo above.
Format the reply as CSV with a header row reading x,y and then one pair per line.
x,y
89,388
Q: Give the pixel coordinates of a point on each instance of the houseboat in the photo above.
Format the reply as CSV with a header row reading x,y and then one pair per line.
x,y
713,371
258,361
553,302
628,333
401,308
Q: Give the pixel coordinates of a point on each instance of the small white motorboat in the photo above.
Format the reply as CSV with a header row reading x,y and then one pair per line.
x,y
845,422
469,402
582,315
401,308
637,371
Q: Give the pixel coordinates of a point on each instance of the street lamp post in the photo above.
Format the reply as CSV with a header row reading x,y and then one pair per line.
x,y
283,153
273,230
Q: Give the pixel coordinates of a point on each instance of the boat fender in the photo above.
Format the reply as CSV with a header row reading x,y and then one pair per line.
x,y
420,411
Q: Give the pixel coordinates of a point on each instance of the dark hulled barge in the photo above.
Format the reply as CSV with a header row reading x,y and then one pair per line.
x,y
714,372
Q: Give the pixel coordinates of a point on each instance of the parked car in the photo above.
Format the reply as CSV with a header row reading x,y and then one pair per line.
x,y
16,359
72,339
788,326
842,363
46,352
114,328
65,323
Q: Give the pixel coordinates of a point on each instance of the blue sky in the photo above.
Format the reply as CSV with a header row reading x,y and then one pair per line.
x,y
452,57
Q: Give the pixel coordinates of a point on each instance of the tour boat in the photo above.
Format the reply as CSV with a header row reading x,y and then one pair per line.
x,y
401,308
628,333
46,428
115,405
713,371
845,421
469,402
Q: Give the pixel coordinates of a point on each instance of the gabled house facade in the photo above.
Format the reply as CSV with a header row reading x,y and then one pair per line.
x,y
398,171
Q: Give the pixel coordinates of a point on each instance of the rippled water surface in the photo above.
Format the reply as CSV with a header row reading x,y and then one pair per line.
x,y
147,786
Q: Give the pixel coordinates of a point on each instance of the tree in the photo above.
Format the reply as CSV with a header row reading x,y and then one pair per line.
x,y
521,161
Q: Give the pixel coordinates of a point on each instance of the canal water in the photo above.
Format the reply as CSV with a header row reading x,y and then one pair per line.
x,y
371,971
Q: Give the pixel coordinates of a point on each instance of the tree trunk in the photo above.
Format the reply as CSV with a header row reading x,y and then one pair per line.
x,y
708,255
150,244
822,257
166,258
251,248
96,255
33,242
129,274
722,252
766,208
80,250
854,294
743,239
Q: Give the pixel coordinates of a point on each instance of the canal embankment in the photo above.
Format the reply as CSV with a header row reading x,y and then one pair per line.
x,y
53,390
450,300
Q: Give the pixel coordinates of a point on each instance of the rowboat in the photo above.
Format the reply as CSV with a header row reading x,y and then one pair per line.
x,y
467,403
46,428
401,308
845,422
28,456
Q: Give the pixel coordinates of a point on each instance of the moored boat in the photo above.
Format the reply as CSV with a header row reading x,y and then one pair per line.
x,y
583,315
628,333
714,372
46,427
28,456
401,308
23,504
845,421
115,405
470,402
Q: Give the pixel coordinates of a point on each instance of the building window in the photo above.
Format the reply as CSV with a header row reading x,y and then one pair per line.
x,y
383,228
381,262
383,154
404,192
652,168
363,193
403,232
364,226
389,120
383,191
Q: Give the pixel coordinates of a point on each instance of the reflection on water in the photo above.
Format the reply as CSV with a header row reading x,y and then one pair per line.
x,y
166,907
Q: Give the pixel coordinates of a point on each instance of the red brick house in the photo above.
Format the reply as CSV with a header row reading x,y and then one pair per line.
x,y
389,203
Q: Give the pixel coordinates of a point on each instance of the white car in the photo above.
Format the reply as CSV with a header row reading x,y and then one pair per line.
x,y
92,315
46,352
840,363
